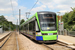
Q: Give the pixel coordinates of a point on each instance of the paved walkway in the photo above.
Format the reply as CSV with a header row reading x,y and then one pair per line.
x,y
66,39
3,34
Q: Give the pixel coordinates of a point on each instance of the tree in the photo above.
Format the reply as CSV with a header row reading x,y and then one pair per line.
x,y
22,21
6,24
69,20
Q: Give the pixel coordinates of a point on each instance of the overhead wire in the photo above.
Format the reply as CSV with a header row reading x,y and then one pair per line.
x,y
32,7
29,10
12,8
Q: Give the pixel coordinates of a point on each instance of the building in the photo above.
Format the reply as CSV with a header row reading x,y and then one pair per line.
x,y
1,29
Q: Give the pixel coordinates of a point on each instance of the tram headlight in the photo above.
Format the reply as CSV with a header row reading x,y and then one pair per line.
x,y
39,33
54,33
44,33
36,33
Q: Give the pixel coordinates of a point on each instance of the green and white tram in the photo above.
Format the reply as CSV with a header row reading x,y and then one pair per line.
x,y
42,26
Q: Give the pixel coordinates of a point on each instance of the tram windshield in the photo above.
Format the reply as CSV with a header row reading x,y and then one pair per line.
x,y
47,22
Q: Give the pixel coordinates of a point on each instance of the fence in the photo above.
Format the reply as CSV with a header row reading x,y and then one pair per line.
x,y
71,33
65,32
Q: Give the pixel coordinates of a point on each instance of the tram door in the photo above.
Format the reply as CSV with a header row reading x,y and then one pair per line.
x,y
34,31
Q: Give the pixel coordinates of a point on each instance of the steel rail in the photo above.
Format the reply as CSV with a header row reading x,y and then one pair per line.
x,y
47,46
5,41
59,43
4,37
65,45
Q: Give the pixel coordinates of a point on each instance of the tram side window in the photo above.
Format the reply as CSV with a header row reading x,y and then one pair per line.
x,y
21,28
25,27
32,26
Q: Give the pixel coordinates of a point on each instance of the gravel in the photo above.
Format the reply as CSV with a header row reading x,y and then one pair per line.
x,y
27,44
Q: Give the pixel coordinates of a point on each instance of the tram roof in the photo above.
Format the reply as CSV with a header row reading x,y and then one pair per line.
x,y
46,12
28,19
39,12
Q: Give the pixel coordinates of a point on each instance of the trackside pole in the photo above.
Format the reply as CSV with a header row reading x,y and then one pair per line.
x,y
19,19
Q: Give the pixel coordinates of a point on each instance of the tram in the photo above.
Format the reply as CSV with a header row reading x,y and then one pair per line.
x,y
42,27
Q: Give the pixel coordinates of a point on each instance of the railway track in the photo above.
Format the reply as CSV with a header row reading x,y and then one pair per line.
x,y
58,46
66,45
11,42
4,40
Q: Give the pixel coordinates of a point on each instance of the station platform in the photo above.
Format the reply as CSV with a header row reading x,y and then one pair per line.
x,y
67,39
4,34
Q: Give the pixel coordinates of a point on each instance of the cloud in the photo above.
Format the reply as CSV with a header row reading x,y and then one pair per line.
x,y
22,17
62,7
39,8
7,3
63,11
5,6
11,18
43,5
73,1
6,10
58,5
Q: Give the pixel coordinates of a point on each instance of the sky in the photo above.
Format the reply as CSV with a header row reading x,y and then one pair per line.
x,y
11,11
